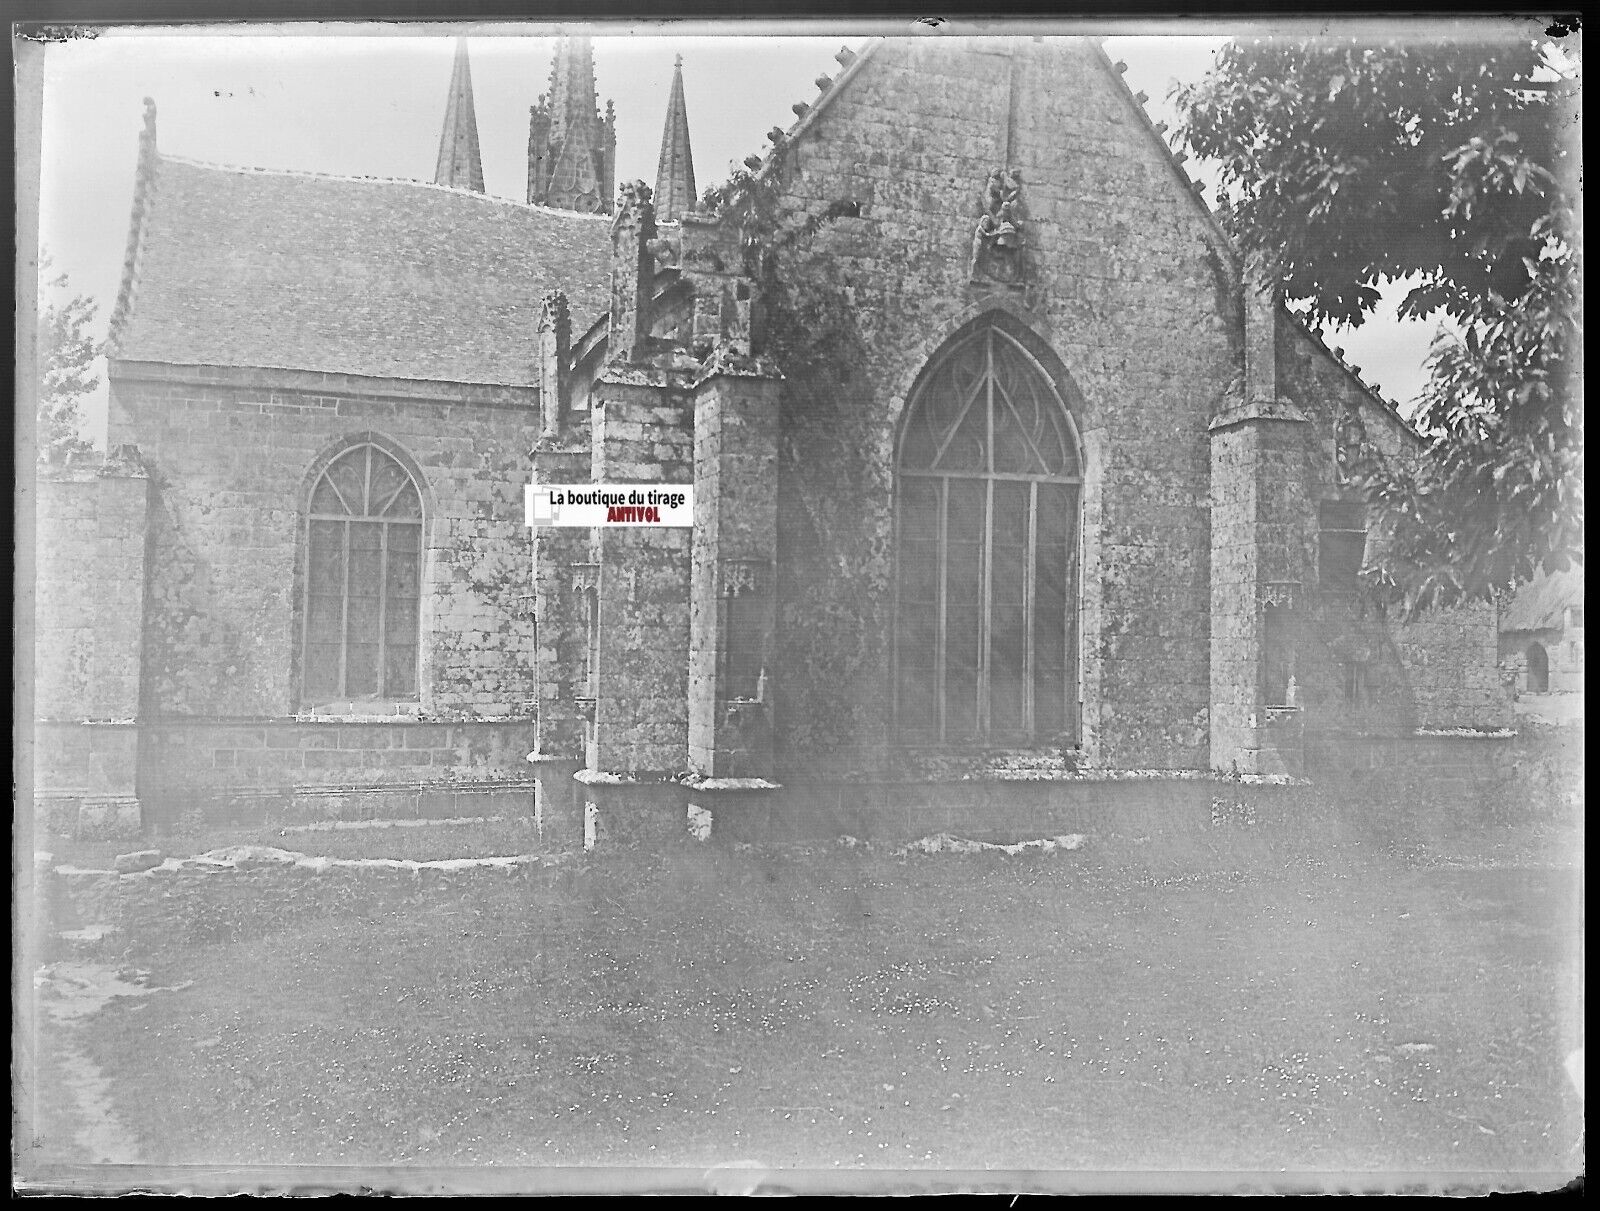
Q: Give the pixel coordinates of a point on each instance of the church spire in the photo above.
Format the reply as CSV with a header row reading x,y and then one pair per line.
x,y
571,149
675,193
460,165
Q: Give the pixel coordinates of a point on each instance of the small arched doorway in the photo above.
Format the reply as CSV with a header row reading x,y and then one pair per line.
x,y
1538,669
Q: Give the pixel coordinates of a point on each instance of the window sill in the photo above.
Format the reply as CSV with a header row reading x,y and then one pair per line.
x,y
361,711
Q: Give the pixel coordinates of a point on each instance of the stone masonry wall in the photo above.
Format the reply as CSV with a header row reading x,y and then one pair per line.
x,y
230,454
1126,287
88,628
1438,672
89,599
644,436
206,767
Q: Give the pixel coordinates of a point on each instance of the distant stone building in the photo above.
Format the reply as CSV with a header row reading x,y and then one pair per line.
x,y
1541,634
1056,496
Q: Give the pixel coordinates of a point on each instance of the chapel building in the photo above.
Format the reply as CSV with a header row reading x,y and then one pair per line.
x,y
1011,487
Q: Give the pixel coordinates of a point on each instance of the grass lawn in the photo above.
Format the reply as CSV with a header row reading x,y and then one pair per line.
x,y
1259,1005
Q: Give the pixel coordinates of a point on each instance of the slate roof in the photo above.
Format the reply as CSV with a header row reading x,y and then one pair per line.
x,y
1541,604
394,279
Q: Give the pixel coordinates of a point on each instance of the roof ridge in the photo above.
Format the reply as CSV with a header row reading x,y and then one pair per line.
x,y
1176,160
1336,356
852,63
309,174
143,191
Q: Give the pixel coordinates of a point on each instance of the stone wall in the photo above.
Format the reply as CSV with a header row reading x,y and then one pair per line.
x,y
1448,657
265,767
646,436
89,599
231,454
90,547
1438,671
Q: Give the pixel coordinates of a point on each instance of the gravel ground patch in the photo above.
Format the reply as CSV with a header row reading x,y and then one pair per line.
x,y
1267,1006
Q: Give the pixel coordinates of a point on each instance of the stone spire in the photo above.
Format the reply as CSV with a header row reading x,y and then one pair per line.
x,y
460,165
675,192
572,150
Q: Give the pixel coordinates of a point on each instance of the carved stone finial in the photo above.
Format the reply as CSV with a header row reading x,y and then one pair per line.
x,y
150,118
633,227
555,346
633,194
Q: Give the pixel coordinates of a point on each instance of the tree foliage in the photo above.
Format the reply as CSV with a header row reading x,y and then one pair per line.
x,y
67,374
1449,165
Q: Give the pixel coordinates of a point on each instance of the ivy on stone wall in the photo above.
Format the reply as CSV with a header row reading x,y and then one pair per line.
x,y
811,330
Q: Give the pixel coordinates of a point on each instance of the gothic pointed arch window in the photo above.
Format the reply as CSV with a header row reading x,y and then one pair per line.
x,y
987,490
363,580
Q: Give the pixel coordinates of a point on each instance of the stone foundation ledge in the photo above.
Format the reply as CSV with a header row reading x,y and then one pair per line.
x,y
380,801
631,809
235,859
711,799
88,816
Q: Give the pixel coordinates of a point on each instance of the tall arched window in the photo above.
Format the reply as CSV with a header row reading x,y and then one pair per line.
x,y
987,491
363,576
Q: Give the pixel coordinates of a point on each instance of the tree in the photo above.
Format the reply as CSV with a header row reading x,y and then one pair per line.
x,y
1350,163
67,354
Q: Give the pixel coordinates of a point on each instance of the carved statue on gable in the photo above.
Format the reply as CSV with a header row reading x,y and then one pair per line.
x,y
998,251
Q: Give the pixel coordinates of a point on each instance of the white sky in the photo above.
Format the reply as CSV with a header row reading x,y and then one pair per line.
x,y
359,101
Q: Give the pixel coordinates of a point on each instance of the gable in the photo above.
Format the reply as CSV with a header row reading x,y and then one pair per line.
x,y
392,279
906,116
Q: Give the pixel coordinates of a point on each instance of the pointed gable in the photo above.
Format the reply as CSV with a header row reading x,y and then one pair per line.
x,y
460,165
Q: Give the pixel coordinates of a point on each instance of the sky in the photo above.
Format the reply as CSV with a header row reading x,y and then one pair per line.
x,y
369,101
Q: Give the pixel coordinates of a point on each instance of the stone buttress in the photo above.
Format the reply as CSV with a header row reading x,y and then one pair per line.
x,y
655,642
1258,506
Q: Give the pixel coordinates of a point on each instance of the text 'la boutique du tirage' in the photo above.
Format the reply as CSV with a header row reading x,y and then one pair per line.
x,y
586,505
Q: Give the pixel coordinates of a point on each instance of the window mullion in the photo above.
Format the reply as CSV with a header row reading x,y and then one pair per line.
x,y
894,612
344,613
1071,690
986,565
383,598
1029,583
944,568
985,624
